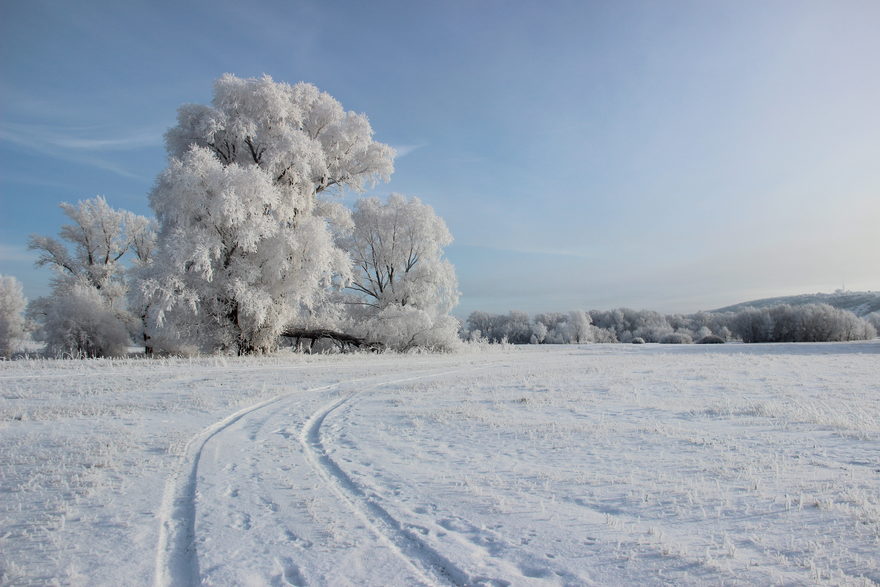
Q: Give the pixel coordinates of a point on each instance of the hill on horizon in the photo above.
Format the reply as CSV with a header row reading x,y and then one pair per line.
x,y
859,303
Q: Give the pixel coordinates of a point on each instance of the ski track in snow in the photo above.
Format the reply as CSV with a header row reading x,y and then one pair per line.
x,y
177,557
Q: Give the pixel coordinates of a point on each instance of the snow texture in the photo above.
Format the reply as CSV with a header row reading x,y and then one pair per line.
x,y
576,465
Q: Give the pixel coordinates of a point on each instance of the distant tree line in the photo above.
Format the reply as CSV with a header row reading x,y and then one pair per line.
x,y
783,323
808,323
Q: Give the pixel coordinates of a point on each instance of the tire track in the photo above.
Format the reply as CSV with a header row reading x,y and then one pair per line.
x,y
176,558
428,563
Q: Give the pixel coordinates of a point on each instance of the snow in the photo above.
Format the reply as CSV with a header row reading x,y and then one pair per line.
x,y
565,465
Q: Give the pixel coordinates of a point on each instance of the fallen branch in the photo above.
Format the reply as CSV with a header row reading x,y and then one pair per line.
x,y
342,339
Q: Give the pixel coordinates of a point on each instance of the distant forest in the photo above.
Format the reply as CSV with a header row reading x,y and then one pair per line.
x,y
808,318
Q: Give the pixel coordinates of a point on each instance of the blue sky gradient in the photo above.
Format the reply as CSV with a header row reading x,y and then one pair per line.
x,y
671,155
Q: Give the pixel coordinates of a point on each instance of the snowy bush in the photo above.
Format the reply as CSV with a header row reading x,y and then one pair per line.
x,y
13,327
676,338
405,328
638,340
874,320
78,321
603,335
711,339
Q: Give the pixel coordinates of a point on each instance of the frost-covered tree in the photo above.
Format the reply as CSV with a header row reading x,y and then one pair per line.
x,y
539,332
403,288
89,272
13,326
579,325
555,327
563,327
479,324
513,327
247,239
300,137
99,236
806,323
626,324
873,319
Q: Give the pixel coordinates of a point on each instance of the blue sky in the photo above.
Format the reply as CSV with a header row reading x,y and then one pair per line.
x,y
671,155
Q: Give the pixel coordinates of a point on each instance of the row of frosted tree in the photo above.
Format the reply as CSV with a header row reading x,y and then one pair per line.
x,y
783,323
249,245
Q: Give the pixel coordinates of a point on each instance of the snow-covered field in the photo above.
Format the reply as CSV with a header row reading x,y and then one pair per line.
x,y
600,464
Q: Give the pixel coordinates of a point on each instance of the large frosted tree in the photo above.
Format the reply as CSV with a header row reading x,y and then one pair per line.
x,y
247,241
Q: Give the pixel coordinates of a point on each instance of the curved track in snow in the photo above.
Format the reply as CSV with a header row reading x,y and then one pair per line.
x,y
176,554
177,559
430,565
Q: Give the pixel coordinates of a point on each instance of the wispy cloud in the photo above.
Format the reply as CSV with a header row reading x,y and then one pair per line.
x,y
404,150
78,138
135,141
79,144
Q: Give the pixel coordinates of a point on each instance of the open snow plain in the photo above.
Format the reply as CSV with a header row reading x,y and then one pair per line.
x,y
600,464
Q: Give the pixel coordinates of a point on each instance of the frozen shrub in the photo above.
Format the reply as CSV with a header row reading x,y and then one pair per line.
x,y
638,340
711,339
12,322
603,335
874,320
79,322
676,338
405,328
702,332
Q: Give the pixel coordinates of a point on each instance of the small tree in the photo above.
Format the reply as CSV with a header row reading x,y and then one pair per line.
x,y
13,327
579,324
86,312
481,322
403,288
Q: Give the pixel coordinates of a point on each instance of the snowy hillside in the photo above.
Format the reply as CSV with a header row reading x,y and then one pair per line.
x,y
575,465
859,303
